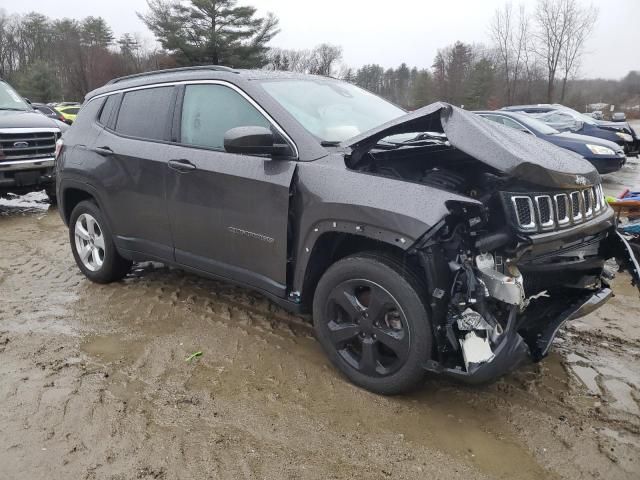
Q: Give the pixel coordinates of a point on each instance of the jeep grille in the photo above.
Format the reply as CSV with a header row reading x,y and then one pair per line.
x,y
539,212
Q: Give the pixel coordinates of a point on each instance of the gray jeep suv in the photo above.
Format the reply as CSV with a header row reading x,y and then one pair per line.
x,y
429,241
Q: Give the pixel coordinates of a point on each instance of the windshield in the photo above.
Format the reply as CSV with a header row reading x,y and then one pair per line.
x,y
10,99
330,109
536,124
581,117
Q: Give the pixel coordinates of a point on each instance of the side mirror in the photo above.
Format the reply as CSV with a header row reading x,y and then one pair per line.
x,y
254,141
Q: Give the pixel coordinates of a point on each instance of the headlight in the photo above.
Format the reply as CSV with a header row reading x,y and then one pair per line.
x,y
625,136
600,150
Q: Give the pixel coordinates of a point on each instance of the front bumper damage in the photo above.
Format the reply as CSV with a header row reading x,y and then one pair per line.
x,y
517,328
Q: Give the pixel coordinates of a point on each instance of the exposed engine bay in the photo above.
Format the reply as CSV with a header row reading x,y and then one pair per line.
x,y
504,276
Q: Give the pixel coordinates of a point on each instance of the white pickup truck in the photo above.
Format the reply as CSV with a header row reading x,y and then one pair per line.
x,y
27,145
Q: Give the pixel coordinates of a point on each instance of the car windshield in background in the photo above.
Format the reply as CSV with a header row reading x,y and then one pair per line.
x,y
536,124
11,100
71,111
330,109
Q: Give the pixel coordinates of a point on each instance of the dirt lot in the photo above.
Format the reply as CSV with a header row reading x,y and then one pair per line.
x,y
94,385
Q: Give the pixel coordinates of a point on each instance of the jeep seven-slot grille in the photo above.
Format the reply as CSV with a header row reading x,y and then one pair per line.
x,y
539,212
19,146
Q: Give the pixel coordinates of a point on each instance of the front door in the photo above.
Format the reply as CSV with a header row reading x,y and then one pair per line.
x,y
228,212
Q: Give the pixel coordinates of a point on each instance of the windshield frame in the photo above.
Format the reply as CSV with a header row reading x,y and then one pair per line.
x,y
328,142
18,99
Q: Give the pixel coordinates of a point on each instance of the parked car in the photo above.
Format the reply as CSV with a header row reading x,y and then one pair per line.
x,y
606,156
565,120
626,135
69,112
598,115
460,252
27,145
618,117
48,111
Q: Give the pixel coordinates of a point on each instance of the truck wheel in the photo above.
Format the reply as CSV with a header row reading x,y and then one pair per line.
x,y
371,319
51,193
93,247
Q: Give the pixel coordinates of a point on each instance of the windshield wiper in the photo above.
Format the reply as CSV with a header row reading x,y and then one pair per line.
x,y
329,143
14,109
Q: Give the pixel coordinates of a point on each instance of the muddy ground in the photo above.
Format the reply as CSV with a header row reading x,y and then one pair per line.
x,y
94,384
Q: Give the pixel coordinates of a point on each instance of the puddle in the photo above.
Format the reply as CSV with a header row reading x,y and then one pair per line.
x,y
112,348
623,399
587,376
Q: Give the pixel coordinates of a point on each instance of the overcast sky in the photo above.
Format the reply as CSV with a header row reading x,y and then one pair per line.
x,y
389,32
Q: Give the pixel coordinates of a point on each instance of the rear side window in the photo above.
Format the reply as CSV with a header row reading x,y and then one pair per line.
x,y
107,110
208,111
145,113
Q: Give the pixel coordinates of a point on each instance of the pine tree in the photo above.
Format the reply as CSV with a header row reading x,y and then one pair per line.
x,y
211,31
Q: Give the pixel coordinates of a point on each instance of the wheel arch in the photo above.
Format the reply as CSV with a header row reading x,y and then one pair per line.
x,y
332,246
72,193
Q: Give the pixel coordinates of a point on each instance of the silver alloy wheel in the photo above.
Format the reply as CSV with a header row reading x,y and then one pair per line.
x,y
89,242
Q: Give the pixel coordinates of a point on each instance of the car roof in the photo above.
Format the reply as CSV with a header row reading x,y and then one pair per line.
x,y
204,72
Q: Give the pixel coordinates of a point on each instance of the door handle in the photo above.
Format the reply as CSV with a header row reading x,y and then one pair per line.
x,y
104,151
182,165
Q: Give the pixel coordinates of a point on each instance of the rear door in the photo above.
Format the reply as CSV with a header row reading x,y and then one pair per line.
x,y
228,212
134,169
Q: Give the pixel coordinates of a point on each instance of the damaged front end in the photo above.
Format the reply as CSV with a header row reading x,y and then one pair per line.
x,y
528,252
499,299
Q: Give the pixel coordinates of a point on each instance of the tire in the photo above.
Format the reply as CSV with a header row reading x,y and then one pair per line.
x,y
370,317
99,261
51,193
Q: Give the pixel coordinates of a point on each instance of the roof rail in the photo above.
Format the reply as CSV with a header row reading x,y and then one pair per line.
x,y
218,68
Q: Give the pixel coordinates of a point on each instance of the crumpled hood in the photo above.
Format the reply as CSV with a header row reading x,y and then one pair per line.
x,y
26,119
515,153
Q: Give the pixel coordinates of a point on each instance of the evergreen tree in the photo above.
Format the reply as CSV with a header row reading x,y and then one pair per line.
x,y
211,31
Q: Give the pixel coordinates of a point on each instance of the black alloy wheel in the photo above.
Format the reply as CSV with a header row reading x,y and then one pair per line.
x,y
370,317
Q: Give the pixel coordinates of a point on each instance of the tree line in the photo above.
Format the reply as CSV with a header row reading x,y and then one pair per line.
x,y
532,56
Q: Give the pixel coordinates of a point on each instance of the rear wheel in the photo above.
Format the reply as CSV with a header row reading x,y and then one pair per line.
x,y
371,320
92,245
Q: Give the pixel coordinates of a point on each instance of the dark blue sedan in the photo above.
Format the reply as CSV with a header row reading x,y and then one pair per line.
x,y
605,155
567,119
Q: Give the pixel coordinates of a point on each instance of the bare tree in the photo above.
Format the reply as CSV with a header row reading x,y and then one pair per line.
x,y
558,22
580,28
510,36
322,60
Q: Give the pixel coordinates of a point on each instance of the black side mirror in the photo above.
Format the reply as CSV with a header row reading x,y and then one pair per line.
x,y
254,141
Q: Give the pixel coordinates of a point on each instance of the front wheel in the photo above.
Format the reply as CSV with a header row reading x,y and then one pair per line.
x,y
92,245
370,318
51,194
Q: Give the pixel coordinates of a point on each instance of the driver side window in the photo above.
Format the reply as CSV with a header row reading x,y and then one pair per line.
x,y
208,111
